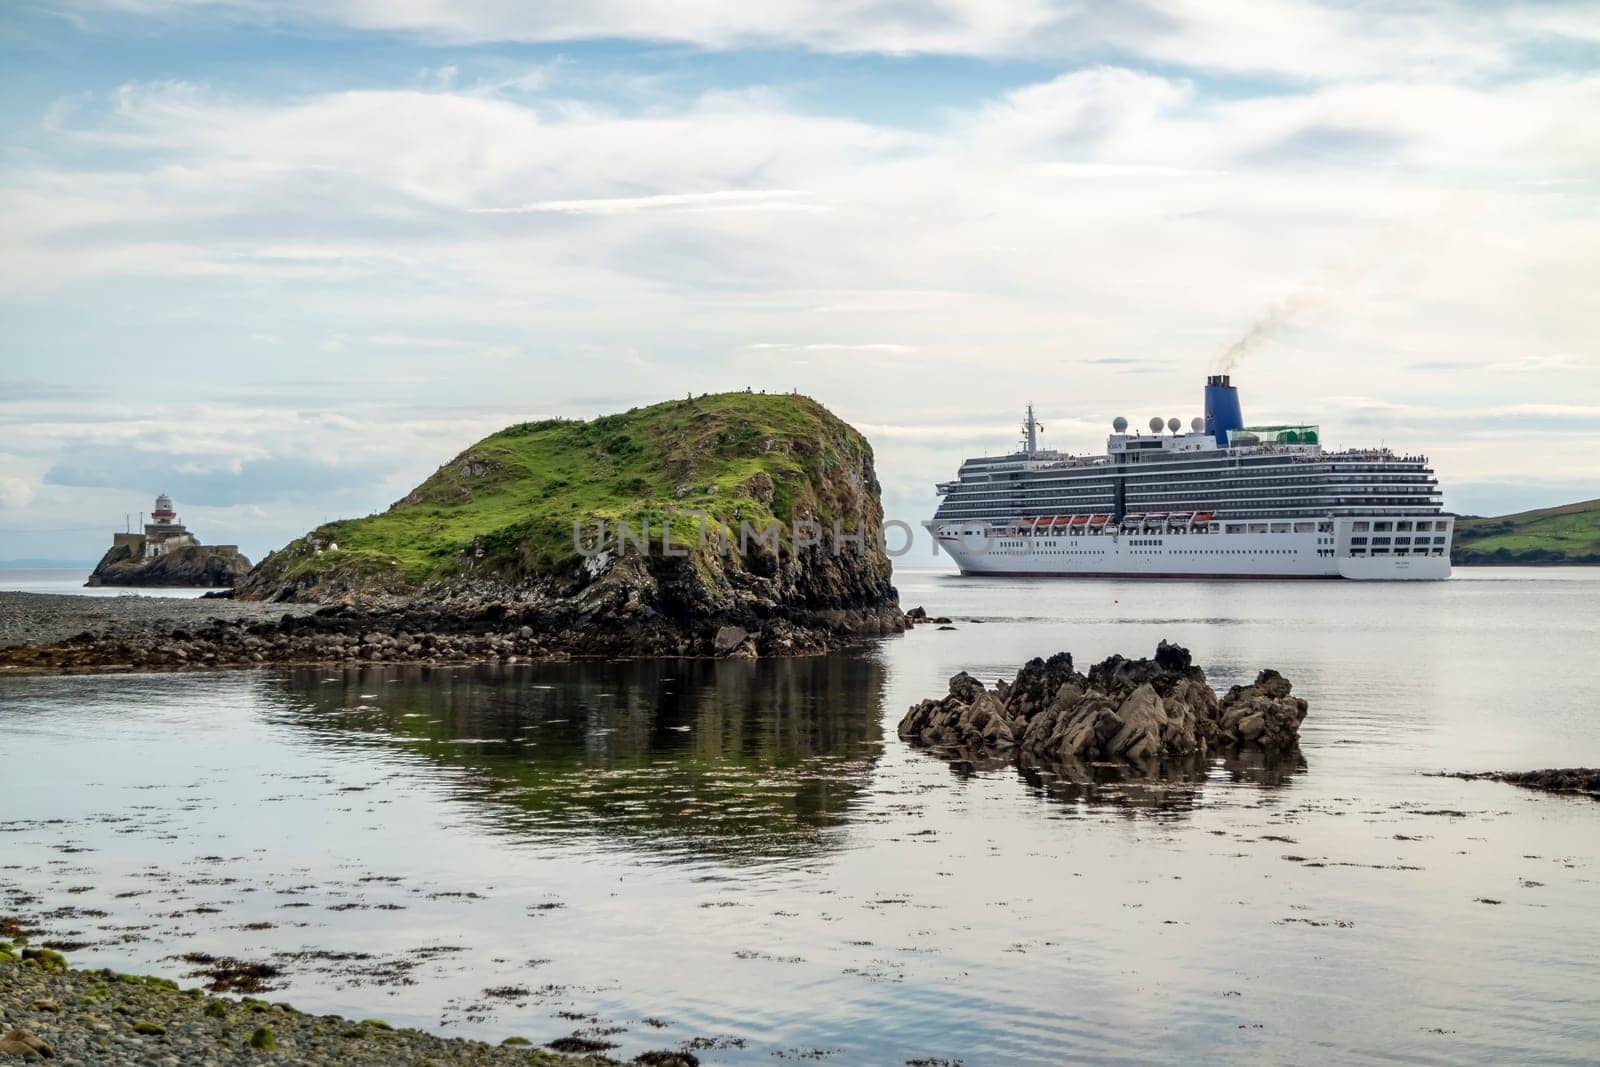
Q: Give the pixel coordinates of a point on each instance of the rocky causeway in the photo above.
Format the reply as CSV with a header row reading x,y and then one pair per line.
x,y
46,618
38,635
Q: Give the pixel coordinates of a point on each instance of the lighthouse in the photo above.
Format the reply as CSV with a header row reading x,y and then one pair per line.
x,y
133,556
162,514
164,531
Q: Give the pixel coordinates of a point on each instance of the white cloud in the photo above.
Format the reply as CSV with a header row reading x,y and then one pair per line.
x,y
15,492
828,346
716,200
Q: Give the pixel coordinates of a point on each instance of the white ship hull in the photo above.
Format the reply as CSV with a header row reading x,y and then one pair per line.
x,y
1179,554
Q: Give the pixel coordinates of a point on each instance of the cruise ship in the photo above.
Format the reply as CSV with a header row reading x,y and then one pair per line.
x,y
1221,500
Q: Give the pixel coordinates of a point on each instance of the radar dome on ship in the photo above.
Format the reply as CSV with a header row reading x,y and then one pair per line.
x,y
1155,424
1197,424
1173,424
1119,424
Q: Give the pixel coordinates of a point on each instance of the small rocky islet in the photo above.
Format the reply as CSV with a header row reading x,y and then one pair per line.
x,y
164,553
186,566
1135,712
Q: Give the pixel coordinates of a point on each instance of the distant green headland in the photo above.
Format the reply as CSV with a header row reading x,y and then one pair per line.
x,y
1567,534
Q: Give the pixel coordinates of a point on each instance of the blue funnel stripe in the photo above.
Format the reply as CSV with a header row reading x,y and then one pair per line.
x,y
1222,409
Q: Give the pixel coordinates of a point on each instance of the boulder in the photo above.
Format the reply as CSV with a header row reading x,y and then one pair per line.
x,y
970,717
728,639
1264,712
25,1045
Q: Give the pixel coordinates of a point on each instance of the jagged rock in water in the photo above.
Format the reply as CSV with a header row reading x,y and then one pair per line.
x,y
1263,712
1138,711
970,715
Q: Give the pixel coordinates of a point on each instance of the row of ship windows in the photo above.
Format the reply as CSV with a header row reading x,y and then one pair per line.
x,y
1231,475
1057,506
1236,483
1254,485
1277,527
1277,479
1397,540
1238,477
1324,552
1149,471
1058,551
1400,526
954,515
1418,551
1163,493
1215,462
1229,552
1242,552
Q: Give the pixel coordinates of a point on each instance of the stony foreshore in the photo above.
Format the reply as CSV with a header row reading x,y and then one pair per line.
x,y
64,634
49,1013
46,618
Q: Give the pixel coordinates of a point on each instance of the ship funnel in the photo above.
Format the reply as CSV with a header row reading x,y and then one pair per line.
x,y
1222,408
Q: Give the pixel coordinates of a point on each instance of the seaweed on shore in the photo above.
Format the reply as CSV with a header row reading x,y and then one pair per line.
x,y
1581,781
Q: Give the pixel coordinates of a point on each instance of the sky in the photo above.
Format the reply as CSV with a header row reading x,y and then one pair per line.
x,y
282,260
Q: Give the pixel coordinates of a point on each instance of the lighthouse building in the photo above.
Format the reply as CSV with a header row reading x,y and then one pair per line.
x,y
163,533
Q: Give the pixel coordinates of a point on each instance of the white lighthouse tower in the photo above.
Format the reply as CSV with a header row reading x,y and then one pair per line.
x,y
164,531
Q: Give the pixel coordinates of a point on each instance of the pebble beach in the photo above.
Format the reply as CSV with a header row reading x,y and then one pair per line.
x,y
44,618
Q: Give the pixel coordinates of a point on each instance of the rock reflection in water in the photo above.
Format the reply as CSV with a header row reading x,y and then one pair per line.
x,y
737,760
1168,786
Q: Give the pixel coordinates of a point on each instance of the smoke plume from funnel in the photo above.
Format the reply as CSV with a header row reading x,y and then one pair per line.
x,y
1274,321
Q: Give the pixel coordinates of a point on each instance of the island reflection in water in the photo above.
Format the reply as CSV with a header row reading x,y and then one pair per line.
x,y
744,761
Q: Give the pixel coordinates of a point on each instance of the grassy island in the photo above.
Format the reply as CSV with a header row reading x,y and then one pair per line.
x,y
505,508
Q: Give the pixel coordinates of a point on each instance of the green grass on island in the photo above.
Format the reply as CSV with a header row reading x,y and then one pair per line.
x,y
1566,534
506,506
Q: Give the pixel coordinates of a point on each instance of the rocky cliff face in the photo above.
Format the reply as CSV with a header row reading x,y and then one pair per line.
x,y
1137,711
193,566
492,534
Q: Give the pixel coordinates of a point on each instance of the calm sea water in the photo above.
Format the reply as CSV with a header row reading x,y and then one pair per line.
x,y
69,581
745,853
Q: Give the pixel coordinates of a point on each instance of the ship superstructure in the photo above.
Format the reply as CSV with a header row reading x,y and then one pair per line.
x,y
1221,499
